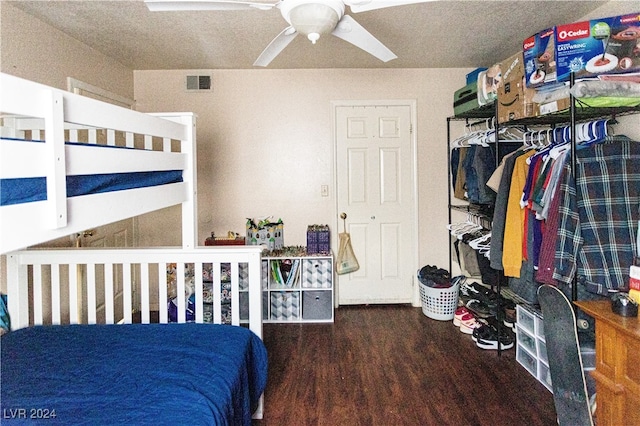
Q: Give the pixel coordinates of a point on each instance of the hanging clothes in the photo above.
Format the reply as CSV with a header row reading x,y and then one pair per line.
x,y
500,209
599,216
546,261
458,158
515,218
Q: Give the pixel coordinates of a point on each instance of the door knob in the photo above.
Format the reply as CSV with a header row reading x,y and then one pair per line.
x,y
373,218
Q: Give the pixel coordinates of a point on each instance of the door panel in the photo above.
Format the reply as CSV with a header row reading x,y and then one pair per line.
x,y
357,186
375,188
389,173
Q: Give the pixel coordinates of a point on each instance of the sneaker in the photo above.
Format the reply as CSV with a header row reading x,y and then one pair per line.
x,y
491,342
460,312
468,323
509,319
481,309
479,292
483,331
486,330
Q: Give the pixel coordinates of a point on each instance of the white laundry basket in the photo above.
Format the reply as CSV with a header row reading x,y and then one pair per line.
x,y
440,303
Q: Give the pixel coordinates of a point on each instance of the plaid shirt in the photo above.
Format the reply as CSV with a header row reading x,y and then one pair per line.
x,y
599,216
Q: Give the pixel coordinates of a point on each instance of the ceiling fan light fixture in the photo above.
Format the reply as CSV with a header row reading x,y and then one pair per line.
x,y
314,19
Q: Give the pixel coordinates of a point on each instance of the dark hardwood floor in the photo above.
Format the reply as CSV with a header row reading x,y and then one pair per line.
x,y
391,365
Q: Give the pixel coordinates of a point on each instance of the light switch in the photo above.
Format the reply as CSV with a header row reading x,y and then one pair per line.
x,y
324,190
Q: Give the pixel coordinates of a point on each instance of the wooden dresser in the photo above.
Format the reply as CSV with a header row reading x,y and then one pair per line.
x,y
617,372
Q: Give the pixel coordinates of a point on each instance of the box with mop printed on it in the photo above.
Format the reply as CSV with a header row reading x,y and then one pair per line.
x,y
599,46
540,58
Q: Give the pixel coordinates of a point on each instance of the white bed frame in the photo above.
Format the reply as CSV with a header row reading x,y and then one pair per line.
x,y
65,278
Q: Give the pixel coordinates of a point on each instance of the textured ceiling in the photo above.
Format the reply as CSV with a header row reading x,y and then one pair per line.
x,y
438,34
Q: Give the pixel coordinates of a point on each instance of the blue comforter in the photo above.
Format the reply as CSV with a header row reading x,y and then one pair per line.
x,y
197,374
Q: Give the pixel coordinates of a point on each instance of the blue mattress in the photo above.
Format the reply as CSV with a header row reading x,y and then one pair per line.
x,y
26,190
198,374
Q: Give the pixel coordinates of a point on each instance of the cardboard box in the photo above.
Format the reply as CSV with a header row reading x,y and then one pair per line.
x,y
600,46
514,97
540,58
552,107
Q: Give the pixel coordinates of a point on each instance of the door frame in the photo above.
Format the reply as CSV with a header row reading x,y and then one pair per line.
x,y
412,104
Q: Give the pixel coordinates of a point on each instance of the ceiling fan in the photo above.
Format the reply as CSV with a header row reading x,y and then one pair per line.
x,y
312,18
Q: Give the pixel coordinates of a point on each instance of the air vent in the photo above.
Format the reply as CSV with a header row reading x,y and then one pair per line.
x,y
197,83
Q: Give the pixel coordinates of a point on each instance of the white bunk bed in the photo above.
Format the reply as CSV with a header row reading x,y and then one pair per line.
x,y
77,289
28,107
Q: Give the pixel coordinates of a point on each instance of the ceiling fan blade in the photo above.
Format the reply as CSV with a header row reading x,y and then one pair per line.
x,y
349,30
365,5
179,5
276,46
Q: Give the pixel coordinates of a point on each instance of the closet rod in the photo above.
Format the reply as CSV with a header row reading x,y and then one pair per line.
x,y
475,123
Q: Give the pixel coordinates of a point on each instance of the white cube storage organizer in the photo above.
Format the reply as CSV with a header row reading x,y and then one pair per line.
x,y
531,348
300,291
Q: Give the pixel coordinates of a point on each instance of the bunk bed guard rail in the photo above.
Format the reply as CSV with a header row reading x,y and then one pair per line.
x,y
73,272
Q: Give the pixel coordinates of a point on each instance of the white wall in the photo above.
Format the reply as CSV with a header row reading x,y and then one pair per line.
x,y
32,49
265,145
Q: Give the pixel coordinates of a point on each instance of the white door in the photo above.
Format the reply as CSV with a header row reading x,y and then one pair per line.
x,y
119,234
375,156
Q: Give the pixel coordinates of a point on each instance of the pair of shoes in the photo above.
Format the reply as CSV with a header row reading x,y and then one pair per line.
x,y
506,342
486,337
481,309
479,292
460,312
465,320
486,329
468,323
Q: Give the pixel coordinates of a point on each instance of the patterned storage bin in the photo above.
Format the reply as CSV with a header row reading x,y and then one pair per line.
x,y
285,305
265,305
243,271
244,306
317,273
264,274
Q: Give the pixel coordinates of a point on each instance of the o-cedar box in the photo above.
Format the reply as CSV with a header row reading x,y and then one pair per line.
x,y
600,46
